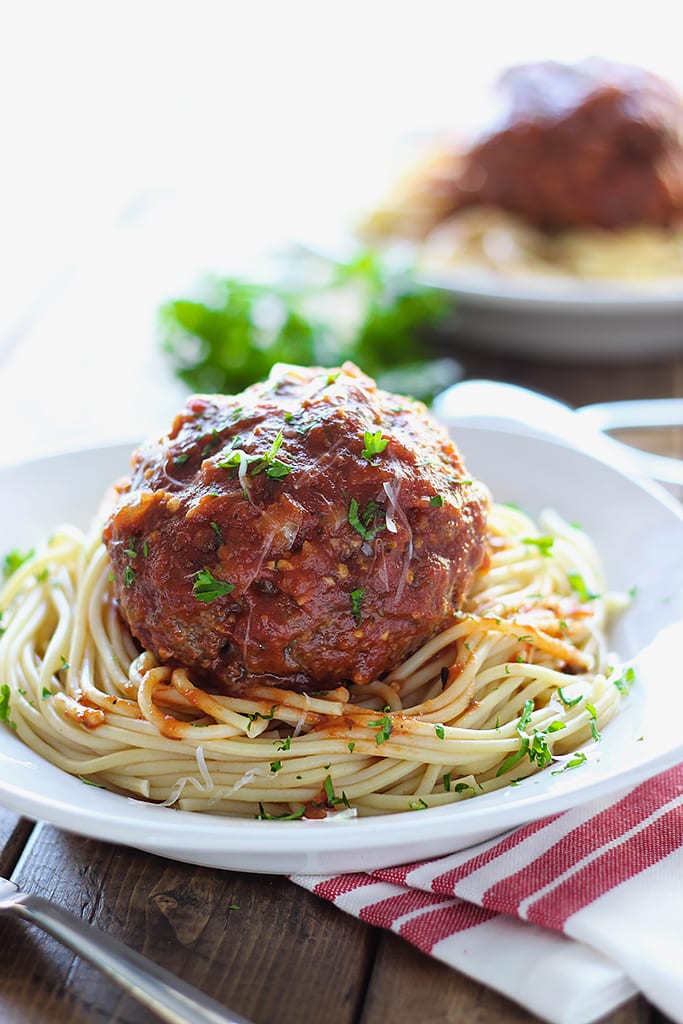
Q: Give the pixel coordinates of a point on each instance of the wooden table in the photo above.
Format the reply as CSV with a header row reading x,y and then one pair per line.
x,y
262,946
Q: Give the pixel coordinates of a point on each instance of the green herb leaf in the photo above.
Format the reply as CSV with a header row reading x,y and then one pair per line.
x,y
332,799
263,815
567,701
207,588
374,444
385,726
577,583
515,757
241,328
578,759
4,702
128,576
13,560
440,731
626,680
436,501
357,598
596,734
368,522
254,716
544,544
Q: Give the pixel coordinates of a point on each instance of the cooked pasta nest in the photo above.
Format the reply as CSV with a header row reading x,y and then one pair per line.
x,y
518,682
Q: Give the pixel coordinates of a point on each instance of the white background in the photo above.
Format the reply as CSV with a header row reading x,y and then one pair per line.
x,y
143,142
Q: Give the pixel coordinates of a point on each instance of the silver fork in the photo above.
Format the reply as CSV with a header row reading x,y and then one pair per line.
x,y
170,998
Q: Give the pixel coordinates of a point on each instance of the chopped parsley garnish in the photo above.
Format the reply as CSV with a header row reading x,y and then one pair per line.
x,y
369,521
436,501
130,550
374,444
525,718
264,716
595,733
385,727
331,796
524,741
447,782
352,746
578,584
145,549
544,544
217,530
13,560
275,766
568,702
357,598
4,703
283,744
418,805
515,757
440,731
626,680
207,588
65,663
128,576
574,762
263,815
460,787
180,460
274,468
212,443
46,693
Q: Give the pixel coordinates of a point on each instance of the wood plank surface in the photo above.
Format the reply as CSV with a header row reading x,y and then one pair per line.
x,y
256,943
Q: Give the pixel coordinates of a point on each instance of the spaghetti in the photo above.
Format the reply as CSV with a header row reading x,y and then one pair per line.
x,y
517,682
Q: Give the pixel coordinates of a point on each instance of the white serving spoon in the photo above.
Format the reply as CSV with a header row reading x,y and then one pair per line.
x,y
507,406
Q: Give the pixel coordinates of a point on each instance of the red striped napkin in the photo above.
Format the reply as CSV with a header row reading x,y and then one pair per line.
x,y
569,916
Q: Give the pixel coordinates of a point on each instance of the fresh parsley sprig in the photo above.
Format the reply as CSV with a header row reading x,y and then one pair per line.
x,y
207,588
230,336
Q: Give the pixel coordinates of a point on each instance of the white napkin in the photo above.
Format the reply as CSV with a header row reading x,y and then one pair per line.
x,y
569,916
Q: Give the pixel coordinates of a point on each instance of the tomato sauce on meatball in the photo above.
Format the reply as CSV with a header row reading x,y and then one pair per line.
x,y
312,530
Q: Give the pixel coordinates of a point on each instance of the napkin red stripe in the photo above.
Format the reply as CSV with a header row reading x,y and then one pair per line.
x,y
331,888
445,883
617,819
431,927
387,911
615,866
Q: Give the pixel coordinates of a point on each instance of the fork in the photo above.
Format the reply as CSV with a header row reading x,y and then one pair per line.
x,y
170,998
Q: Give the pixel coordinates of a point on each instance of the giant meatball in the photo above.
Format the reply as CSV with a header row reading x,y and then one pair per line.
x,y
311,530
595,144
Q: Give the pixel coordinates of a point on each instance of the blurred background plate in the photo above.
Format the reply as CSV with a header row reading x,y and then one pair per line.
x,y
567,320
